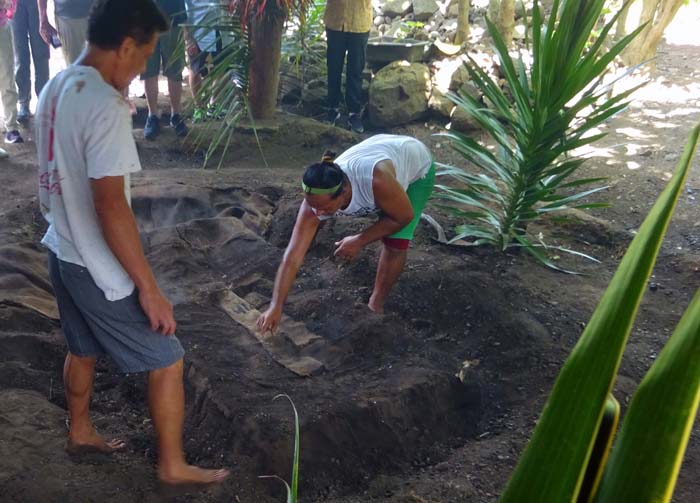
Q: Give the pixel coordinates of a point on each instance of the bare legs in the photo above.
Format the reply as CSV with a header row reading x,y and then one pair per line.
x,y
166,398
78,373
391,263
174,89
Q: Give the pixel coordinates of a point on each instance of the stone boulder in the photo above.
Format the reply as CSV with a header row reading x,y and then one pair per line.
x,y
440,104
424,9
462,121
397,7
399,93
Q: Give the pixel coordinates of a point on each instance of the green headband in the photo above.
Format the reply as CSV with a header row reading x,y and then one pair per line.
x,y
320,191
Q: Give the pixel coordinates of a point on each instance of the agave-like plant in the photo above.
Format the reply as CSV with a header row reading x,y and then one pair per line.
x,y
550,110
566,460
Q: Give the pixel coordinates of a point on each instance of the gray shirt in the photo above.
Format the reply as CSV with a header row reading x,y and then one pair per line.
x,y
72,9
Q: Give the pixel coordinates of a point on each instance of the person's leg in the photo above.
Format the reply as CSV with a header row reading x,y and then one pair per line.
x,y
78,374
393,256
79,366
335,58
151,87
8,90
166,398
20,34
73,35
391,264
175,91
357,49
40,50
173,64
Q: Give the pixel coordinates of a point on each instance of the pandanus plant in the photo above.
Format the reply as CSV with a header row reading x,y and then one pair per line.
x,y
548,111
568,458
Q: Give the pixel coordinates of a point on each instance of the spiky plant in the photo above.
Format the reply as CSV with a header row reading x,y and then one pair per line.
x,y
550,110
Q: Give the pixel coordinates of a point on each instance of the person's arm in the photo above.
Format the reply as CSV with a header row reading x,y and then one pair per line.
x,y
45,29
122,236
305,228
396,212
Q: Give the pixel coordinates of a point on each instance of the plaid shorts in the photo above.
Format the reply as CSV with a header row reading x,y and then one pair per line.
x,y
95,326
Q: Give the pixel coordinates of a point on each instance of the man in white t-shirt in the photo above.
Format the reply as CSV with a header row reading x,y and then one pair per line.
x,y
108,299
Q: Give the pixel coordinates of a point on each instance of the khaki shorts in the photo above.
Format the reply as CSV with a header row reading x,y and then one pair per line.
x,y
168,56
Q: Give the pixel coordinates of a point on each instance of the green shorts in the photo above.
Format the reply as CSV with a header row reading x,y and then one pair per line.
x,y
418,194
169,55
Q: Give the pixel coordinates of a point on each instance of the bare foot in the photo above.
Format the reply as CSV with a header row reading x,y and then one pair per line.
x,y
93,443
188,474
373,306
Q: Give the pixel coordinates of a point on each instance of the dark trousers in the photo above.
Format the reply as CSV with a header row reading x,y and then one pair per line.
x,y
25,31
355,46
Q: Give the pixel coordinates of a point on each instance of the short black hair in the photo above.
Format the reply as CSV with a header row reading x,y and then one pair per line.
x,y
111,21
325,174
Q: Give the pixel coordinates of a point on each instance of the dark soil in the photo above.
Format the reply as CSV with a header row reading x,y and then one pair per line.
x,y
432,402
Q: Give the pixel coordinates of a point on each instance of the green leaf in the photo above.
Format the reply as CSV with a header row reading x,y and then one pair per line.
x,y
551,470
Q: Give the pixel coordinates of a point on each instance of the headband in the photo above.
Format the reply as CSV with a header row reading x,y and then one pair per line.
x,y
320,191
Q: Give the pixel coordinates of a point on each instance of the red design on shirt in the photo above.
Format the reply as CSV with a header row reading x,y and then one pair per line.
x,y
51,124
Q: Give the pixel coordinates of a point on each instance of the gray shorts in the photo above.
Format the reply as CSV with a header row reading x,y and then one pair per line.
x,y
95,326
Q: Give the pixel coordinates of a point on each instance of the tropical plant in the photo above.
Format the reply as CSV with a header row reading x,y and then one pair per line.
x,y
566,459
292,490
547,112
226,85
303,46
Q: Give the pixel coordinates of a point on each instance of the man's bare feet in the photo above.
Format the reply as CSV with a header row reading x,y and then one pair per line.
x,y
188,474
92,443
375,306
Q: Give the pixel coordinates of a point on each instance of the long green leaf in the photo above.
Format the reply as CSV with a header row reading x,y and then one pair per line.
x,y
647,455
552,466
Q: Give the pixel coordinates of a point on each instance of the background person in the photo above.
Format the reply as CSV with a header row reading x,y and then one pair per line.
x,y
387,173
169,59
25,32
347,31
8,90
71,17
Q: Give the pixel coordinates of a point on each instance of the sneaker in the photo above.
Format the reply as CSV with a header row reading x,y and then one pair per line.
x,y
178,124
152,127
333,116
355,123
13,137
24,113
213,112
199,115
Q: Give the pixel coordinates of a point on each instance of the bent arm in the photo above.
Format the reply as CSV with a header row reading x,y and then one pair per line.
x,y
305,228
120,230
390,197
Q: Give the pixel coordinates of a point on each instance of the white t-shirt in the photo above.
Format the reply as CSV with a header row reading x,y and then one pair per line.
x,y
411,160
83,131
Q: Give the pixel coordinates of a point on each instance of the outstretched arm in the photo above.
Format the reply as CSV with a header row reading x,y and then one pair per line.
x,y
305,228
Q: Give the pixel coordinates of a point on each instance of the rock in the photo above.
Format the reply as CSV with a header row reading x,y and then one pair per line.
x,y
459,77
399,93
378,21
440,104
424,9
519,32
397,29
462,121
397,7
453,8
434,35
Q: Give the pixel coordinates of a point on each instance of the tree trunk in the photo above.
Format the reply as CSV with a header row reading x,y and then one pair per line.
x,y
264,70
502,14
658,14
621,25
462,34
